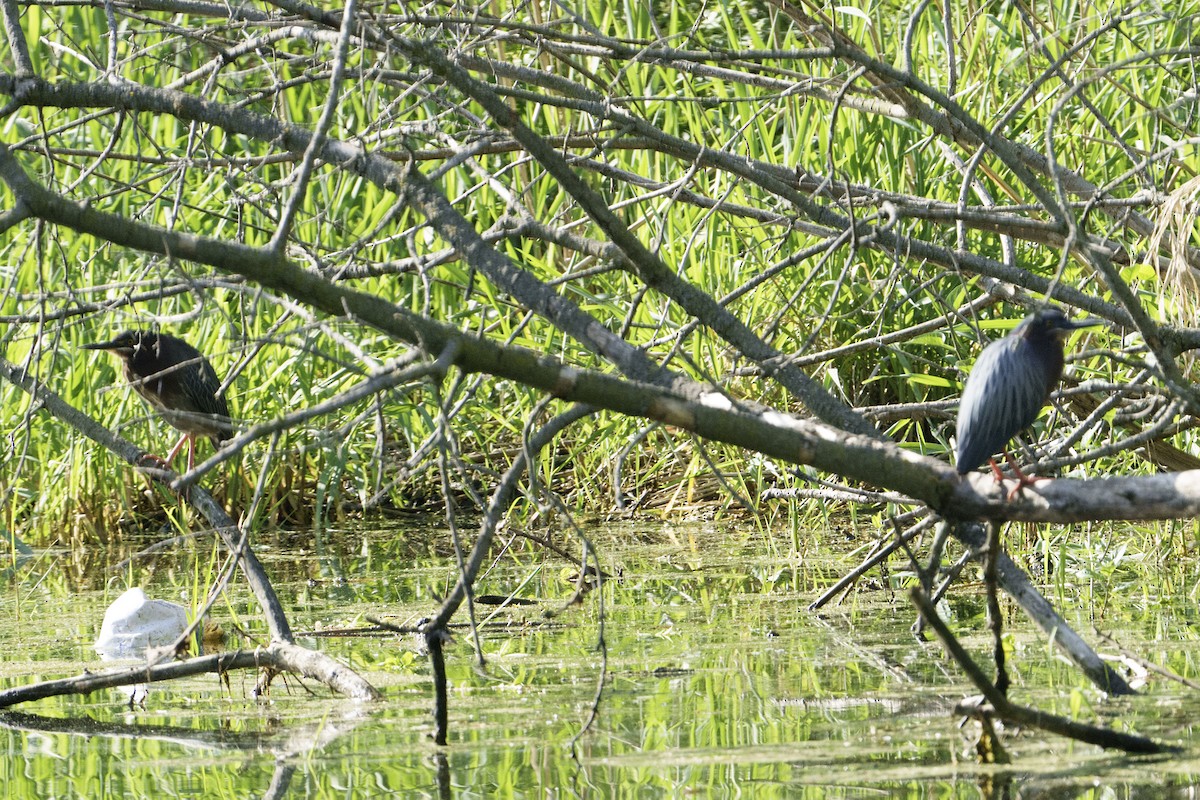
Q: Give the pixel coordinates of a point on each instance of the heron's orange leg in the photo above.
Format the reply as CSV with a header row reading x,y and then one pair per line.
x,y
178,446
165,463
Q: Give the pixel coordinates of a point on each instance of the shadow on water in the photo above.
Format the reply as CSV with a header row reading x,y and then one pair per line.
x,y
719,681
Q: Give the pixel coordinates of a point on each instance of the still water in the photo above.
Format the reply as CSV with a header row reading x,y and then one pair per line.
x,y
717,681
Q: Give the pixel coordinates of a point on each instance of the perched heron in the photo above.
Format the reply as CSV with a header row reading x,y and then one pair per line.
x,y
1008,386
178,381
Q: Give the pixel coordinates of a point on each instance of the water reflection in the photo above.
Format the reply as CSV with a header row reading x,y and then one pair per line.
x,y
718,681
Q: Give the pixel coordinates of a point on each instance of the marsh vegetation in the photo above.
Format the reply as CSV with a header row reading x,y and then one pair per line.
x,y
530,270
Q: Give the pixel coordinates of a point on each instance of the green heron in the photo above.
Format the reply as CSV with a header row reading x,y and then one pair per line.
x,y
1008,386
178,381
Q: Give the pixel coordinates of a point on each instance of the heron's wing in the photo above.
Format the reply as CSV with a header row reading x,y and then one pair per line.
x,y
203,393
188,399
1004,393
209,411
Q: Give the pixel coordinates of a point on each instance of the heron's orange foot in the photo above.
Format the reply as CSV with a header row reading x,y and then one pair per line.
x,y
151,460
1023,480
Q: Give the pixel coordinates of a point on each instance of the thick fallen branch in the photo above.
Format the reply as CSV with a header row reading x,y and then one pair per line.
x,y
672,399
1013,580
1004,709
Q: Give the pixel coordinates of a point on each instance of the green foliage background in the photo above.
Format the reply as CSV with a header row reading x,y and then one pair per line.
x,y
1117,102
